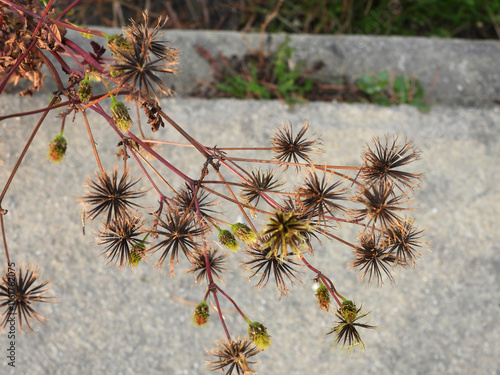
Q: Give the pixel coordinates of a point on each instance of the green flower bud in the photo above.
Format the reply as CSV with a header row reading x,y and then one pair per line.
x,y
244,233
118,43
135,254
85,90
227,239
348,310
201,314
119,113
323,296
57,148
258,334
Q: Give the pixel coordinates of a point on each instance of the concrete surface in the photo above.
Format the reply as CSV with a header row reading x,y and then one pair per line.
x,y
441,318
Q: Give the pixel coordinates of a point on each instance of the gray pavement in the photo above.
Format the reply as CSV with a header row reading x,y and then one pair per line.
x,y
441,318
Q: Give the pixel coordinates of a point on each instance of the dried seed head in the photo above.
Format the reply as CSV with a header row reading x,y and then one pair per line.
x,y
201,314
373,258
381,164
264,262
57,148
121,241
258,334
199,264
234,355
288,148
18,294
108,194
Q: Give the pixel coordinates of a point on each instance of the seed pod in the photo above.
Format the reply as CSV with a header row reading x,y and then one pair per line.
x,y
244,233
57,148
258,334
227,239
201,314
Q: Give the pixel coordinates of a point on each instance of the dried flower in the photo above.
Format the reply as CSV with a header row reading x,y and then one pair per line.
x,y
403,241
120,237
289,149
381,164
107,194
381,205
136,68
258,183
263,258
201,314
234,355
177,233
373,257
199,264
18,294
319,198
57,148
258,334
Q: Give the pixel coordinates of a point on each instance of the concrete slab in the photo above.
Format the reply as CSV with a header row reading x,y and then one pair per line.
x,y
442,317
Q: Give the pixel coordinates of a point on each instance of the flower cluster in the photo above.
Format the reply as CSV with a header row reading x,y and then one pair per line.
x,y
280,225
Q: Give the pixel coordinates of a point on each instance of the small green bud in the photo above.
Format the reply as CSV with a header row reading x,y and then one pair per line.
x,y
201,314
118,43
348,310
119,113
227,239
85,90
244,233
323,296
57,148
135,254
258,334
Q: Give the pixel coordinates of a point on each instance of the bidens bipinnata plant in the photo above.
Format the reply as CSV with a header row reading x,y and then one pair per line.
x,y
282,225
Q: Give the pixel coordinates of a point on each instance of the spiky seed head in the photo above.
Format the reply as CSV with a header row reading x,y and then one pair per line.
x,y
244,233
201,314
57,148
227,239
119,113
233,354
323,296
85,90
18,292
258,334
